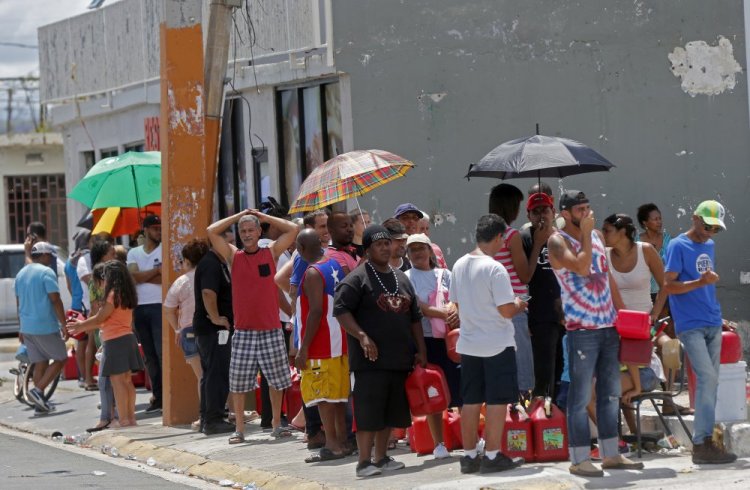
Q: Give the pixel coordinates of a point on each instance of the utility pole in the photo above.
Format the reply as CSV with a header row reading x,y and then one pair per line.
x,y
191,100
9,120
185,199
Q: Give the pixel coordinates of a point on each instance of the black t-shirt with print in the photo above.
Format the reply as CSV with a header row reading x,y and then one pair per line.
x,y
386,319
545,305
211,273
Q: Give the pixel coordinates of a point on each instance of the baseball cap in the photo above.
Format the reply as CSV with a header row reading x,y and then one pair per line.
x,y
40,248
151,220
407,207
539,200
373,233
395,228
712,213
418,238
572,198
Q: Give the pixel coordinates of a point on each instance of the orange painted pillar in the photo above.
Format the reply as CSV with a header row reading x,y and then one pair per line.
x,y
186,201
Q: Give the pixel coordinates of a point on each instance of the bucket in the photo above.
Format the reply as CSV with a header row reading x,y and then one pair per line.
x,y
731,405
633,324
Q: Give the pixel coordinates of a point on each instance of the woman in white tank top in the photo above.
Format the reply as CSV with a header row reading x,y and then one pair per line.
x,y
632,264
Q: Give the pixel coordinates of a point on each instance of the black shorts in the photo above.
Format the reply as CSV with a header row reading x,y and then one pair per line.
x,y
490,380
380,400
438,354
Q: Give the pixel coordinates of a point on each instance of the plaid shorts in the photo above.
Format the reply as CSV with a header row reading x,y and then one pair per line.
x,y
258,349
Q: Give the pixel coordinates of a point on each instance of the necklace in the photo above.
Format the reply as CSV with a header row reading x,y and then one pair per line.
x,y
377,276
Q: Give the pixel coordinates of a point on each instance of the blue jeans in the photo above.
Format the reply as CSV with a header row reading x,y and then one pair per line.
x,y
107,400
524,353
703,348
593,354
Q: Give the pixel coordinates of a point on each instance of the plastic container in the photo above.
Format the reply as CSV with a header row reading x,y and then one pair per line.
x,y
517,435
731,347
70,371
635,351
72,315
731,404
293,397
427,390
550,431
633,324
451,340
420,438
452,430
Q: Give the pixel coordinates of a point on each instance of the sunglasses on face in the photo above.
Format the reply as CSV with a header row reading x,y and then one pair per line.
x,y
711,228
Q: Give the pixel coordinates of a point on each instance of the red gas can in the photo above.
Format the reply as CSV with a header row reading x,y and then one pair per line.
x,y
452,430
451,340
427,390
550,431
293,397
731,347
70,371
633,324
420,439
517,435
73,315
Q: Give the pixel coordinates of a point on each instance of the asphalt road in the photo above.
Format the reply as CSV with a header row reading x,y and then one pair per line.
x,y
28,463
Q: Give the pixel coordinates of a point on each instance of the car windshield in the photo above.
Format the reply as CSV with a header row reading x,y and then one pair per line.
x,y
10,264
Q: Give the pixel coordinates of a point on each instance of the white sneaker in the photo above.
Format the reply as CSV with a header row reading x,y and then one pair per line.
x,y
441,452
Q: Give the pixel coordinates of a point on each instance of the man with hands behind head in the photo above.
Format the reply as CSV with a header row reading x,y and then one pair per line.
x,y
258,342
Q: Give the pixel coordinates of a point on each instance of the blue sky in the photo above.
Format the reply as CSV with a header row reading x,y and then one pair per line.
x,y
19,20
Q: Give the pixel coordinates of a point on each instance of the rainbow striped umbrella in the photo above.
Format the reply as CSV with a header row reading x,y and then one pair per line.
x,y
348,175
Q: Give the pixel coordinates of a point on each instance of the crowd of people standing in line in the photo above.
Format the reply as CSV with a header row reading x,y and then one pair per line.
x,y
335,295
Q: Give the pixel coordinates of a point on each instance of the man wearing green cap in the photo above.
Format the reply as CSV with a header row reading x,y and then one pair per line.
x,y
690,280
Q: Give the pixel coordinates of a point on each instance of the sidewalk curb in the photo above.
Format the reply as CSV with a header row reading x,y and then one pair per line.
x,y
195,465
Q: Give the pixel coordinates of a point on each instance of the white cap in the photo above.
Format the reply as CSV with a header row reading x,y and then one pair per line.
x,y
418,238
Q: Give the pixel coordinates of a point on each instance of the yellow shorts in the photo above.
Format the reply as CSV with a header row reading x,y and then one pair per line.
x,y
325,380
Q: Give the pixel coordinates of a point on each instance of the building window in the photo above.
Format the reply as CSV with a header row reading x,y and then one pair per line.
x,y
262,173
309,128
37,198
134,146
89,159
231,184
33,159
109,152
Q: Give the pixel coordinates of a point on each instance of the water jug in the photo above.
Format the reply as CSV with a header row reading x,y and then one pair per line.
x,y
517,435
633,324
427,390
550,431
451,340
420,438
731,347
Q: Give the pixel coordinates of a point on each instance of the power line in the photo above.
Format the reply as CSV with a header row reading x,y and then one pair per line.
x,y
18,45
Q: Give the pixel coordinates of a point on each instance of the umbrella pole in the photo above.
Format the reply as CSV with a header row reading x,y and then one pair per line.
x,y
361,216
137,199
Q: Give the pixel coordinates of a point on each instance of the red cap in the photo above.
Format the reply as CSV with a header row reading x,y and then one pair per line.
x,y
539,200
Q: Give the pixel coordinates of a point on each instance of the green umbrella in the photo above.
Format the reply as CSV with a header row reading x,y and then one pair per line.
x,y
130,180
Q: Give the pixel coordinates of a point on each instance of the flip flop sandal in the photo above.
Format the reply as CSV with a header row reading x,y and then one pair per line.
x,y
392,444
92,387
325,454
237,438
280,432
296,427
91,430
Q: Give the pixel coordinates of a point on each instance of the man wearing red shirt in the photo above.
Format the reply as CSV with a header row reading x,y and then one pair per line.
x,y
258,342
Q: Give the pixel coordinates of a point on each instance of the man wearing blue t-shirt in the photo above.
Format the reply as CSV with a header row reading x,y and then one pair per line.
x,y
42,318
690,281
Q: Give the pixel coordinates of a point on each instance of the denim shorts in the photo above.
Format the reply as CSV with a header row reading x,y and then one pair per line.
x,y
187,342
649,380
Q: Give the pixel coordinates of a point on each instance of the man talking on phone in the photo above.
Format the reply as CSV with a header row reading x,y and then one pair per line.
x,y
545,312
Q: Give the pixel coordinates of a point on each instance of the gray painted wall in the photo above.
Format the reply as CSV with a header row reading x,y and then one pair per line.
x,y
443,82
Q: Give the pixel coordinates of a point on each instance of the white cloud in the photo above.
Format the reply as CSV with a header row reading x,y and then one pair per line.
x,y
19,20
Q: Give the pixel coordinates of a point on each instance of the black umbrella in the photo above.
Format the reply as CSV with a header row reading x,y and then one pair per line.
x,y
86,221
539,156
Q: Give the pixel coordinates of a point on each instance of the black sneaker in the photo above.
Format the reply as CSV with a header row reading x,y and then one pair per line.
x,y
470,465
500,463
220,427
154,406
366,468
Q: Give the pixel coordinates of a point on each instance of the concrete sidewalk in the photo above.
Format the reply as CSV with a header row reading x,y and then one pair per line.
x,y
279,464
